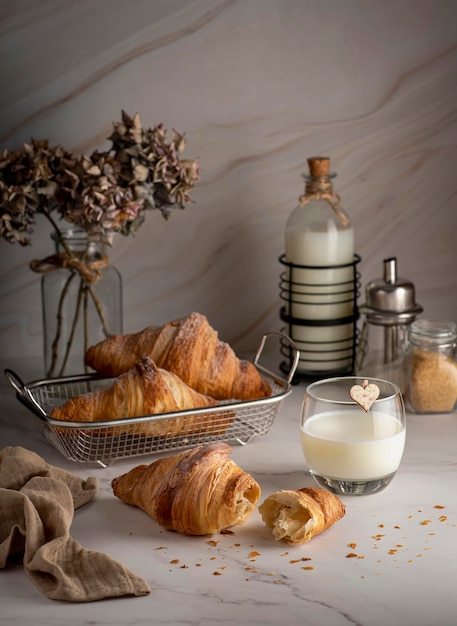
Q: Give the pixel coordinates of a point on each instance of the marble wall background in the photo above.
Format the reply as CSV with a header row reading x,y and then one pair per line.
x,y
258,86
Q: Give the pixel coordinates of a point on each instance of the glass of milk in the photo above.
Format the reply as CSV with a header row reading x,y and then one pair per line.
x,y
350,450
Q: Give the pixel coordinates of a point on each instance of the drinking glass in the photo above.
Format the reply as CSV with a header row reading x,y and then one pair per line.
x,y
348,450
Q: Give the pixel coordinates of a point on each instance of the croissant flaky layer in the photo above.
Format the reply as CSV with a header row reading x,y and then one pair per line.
x,y
144,390
196,492
188,347
298,516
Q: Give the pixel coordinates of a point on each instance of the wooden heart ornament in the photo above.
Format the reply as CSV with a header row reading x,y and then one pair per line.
x,y
364,394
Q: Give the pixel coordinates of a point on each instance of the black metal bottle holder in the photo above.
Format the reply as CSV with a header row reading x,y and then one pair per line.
x,y
348,292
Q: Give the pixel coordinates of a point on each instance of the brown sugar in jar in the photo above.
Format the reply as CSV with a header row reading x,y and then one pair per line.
x,y
431,367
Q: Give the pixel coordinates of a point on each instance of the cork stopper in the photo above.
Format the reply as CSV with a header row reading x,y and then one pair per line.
x,y
319,166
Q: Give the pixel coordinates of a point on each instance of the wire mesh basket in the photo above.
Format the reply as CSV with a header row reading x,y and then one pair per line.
x,y
104,442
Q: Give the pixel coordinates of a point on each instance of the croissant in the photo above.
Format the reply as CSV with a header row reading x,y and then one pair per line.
x,y
298,516
196,492
191,349
143,390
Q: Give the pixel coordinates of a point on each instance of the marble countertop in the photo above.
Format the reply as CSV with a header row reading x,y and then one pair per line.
x,y
404,571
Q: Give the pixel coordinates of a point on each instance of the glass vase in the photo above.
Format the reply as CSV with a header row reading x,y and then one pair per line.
x,y
81,301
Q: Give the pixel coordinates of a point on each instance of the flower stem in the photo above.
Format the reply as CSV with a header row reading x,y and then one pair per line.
x,y
55,343
73,328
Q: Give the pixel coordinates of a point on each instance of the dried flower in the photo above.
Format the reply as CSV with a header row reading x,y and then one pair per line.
x,y
104,193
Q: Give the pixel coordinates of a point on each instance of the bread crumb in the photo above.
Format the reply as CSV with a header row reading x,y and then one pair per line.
x,y
351,555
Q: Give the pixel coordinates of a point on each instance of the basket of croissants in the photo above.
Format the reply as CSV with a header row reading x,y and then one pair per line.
x,y
163,388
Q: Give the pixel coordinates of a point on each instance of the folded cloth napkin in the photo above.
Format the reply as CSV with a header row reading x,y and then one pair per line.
x,y
37,502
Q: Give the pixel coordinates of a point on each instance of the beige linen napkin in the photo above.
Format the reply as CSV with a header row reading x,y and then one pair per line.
x,y
37,502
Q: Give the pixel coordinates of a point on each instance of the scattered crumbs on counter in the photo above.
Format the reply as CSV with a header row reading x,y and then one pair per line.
x,y
211,542
443,518
253,555
397,527
352,545
380,525
161,548
439,506
425,522
303,558
198,565
130,533
285,554
184,566
213,558
308,567
351,555
216,573
174,561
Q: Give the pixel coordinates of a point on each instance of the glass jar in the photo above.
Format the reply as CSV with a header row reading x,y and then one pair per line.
x,y
81,301
431,367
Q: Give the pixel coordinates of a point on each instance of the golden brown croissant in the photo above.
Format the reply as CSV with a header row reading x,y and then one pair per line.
x,y
196,492
191,349
298,516
144,390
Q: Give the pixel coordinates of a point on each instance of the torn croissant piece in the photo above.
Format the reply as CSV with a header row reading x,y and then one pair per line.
x,y
191,349
298,516
196,492
144,390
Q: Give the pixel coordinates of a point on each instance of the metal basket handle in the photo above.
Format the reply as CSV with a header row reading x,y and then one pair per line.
x,y
24,392
296,352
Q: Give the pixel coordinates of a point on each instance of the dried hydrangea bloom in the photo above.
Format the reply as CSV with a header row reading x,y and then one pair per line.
x,y
104,193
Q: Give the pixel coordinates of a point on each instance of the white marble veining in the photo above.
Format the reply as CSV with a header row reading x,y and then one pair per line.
x,y
258,86
404,572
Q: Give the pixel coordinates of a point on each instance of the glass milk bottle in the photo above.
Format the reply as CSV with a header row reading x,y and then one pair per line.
x,y
320,285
